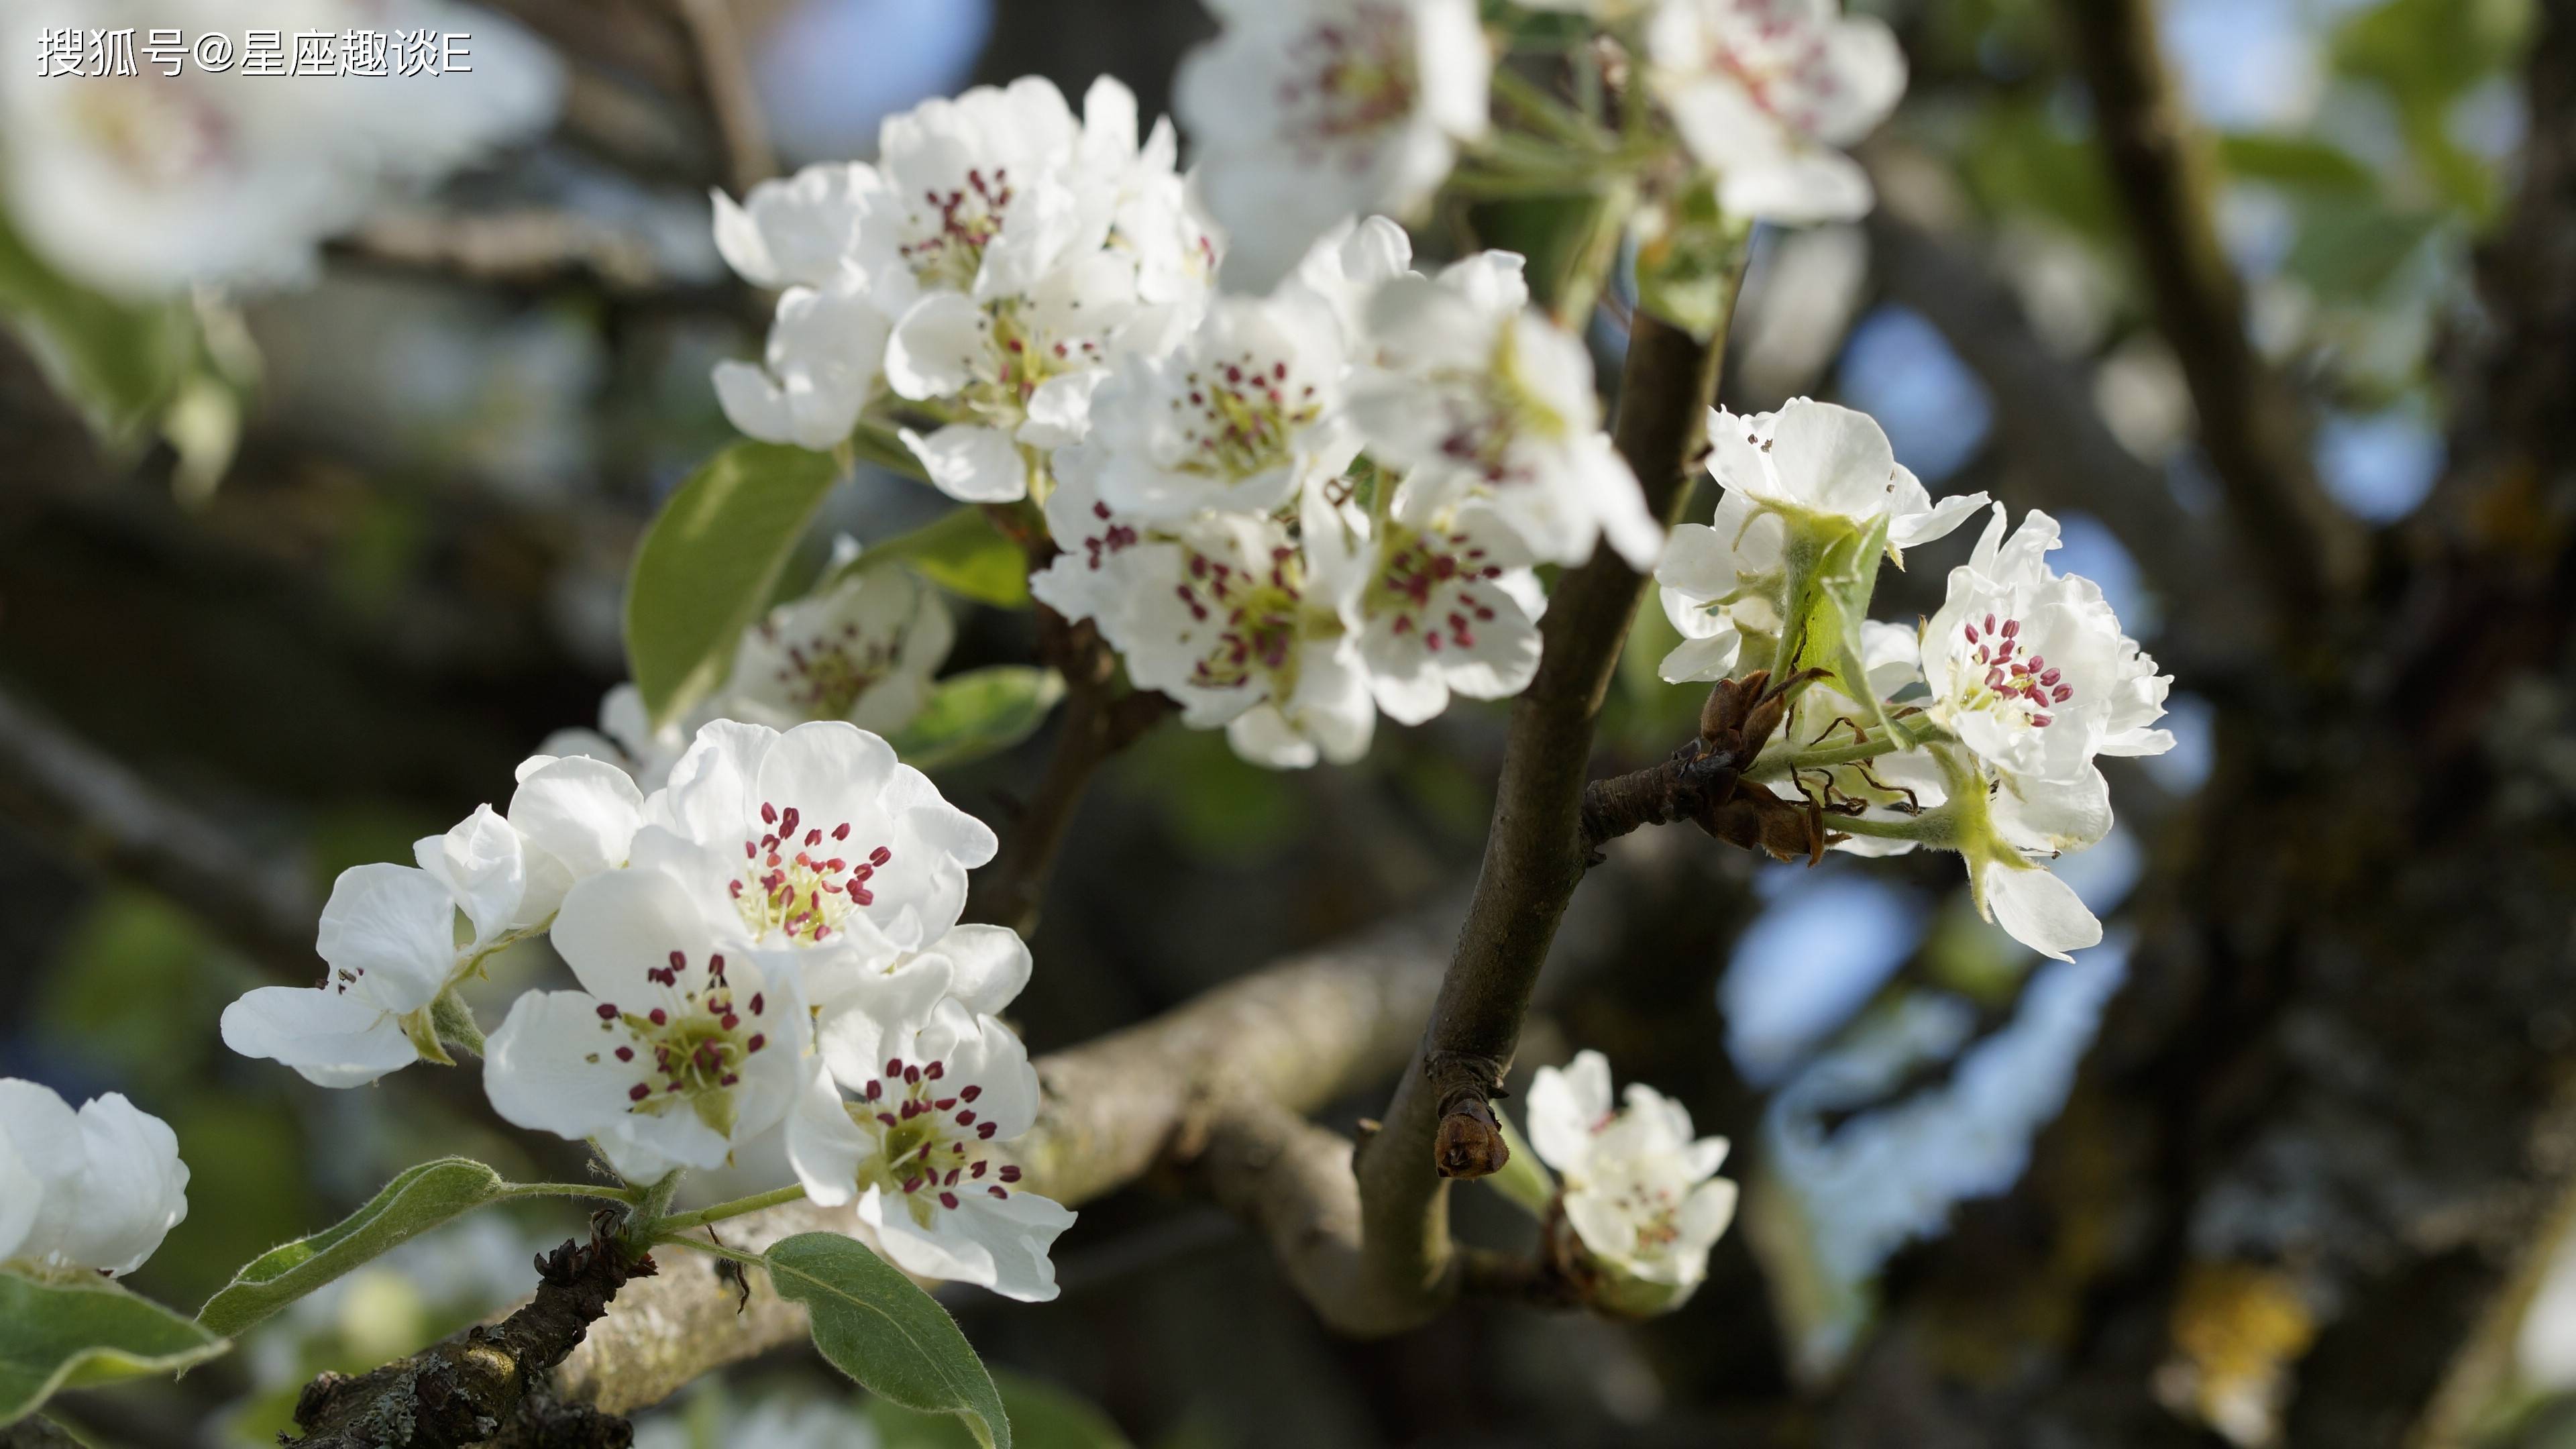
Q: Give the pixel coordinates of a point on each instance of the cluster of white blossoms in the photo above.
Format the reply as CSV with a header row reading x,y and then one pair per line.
x,y
1288,511
1981,729
86,1192
1308,111
1640,1194
781,916
144,184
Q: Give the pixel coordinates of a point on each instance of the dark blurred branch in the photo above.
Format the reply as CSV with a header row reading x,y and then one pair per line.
x,y
2063,456
2251,424
97,812
529,247
1439,1121
724,78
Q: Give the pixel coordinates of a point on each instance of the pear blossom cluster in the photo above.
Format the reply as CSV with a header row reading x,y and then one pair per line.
x,y
1289,511
765,949
143,185
1977,731
1640,1203
84,1192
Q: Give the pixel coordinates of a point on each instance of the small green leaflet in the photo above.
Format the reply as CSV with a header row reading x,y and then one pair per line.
x,y
710,562
86,1331
413,1203
120,362
877,1326
962,553
976,713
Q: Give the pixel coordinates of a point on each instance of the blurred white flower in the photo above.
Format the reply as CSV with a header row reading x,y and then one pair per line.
x,y
144,184
1640,1192
682,1042
1766,91
389,938
92,1191
934,1088
1307,112
824,361
862,650
1480,396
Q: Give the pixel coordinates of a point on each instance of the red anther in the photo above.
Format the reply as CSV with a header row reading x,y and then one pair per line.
x,y
679,961
888,1118
997,1192
944,1103
756,1008
875,1089
935,1070
966,1117
626,1054
948,1199
731,1021
607,1012
970,1093
880,856
984,1129
638,1092
841,831
912,1184
1010,1172
787,822
813,837
768,813
658,1017
727,1080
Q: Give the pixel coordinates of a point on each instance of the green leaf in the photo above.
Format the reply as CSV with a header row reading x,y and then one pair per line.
x,y
2296,161
119,362
877,1326
411,1204
1689,261
1042,1417
86,1331
976,713
709,564
961,553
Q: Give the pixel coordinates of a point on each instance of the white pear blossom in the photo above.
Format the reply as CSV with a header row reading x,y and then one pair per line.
x,y
795,231
862,650
1481,396
1765,91
1448,608
1305,112
815,837
2031,670
1640,1192
92,1191
389,934
684,1041
933,1089
1242,416
389,938
147,183
1809,468
1217,613
824,363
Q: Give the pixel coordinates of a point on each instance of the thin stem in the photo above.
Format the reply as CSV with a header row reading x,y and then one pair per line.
x,y
1920,829
599,1191
712,1250
878,446
1545,111
682,1222
1772,767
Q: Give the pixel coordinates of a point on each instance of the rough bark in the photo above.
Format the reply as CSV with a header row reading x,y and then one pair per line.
x,y
2336,1095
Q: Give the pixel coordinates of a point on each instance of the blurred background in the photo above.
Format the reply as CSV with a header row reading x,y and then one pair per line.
x,y
329,620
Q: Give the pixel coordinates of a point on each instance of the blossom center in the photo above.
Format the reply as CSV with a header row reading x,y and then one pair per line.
x,y
1420,574
2003,679
802,885
1241,415
1259,613
690,1050
948,248
1349,81
1781,62
931,1140
827,673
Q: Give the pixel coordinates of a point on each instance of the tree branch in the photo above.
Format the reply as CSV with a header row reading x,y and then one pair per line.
x,y
1440,1122
95,811
724,75
2250,423
472,1387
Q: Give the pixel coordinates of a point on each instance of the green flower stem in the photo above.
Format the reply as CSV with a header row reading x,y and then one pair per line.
x,y
1898,738
1932,827
599,1190
1523,1178
683,1222
879,446
1545,111
455,1023
712,1250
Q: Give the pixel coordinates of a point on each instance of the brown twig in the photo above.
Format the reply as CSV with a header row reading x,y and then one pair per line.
x,y
1534,854
532,246
474,1386
2250,423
